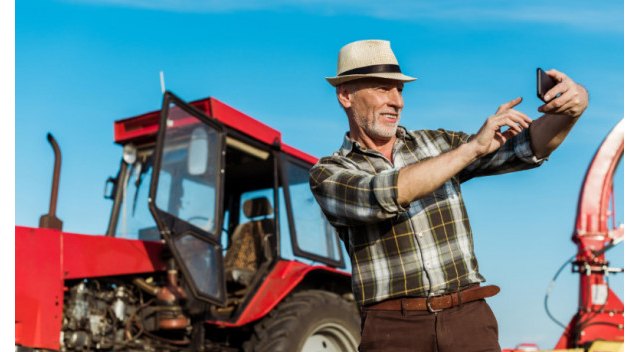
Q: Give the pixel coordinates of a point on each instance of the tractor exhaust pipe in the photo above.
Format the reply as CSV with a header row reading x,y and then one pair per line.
x,y
50,220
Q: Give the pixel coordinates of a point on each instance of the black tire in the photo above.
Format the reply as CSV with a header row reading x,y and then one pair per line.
x,y
308,321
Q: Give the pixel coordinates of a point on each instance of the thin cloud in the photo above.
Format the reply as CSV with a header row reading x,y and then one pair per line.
x,y
598,16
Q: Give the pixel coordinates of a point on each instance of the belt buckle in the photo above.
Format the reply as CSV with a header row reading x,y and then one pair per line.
x,y
431,308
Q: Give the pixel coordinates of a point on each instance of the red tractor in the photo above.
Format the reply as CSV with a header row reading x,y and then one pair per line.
x,y
214,243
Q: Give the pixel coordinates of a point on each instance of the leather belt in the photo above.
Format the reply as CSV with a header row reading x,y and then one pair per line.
x,y
437,303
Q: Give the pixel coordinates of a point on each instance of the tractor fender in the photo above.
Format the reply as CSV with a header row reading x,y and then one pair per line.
x,y
284,278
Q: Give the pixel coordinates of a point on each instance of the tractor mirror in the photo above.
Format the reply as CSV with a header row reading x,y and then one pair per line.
x,y
110,188
198,152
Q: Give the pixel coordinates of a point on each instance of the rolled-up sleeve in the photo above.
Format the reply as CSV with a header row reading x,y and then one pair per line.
x,y
522,148
514,155
354,197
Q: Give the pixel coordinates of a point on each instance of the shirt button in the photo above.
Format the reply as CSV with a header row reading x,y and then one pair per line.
x,y
419,235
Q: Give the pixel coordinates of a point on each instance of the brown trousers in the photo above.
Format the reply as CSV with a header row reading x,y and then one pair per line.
x,y
471,327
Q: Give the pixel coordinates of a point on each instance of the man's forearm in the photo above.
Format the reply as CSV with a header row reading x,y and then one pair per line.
x,y
548,132
417,180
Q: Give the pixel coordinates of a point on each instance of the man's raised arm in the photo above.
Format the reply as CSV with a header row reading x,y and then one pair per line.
x,y
417,180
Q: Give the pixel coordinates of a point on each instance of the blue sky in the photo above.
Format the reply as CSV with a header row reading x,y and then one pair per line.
x,y
82,64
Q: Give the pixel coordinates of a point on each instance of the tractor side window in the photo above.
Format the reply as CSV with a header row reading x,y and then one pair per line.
x,y
313,233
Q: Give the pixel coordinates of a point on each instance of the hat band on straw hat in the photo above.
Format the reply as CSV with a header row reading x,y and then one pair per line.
x,y
385,68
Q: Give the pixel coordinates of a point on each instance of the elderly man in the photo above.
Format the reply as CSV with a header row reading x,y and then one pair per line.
x,y
394,197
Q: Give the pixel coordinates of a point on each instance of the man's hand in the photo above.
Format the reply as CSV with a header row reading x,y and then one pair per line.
x,y
489,138
573,99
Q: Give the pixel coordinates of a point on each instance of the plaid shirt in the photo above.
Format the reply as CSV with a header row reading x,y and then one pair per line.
x,y
423,249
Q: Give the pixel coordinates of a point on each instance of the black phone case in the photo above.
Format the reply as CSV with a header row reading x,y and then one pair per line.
x,y
544,83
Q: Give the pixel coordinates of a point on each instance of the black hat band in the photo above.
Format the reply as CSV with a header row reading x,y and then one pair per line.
x,y
386,68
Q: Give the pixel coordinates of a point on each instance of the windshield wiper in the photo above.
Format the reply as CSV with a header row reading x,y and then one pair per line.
x,y
139,172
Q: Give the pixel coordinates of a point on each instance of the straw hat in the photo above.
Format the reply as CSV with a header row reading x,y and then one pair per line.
x,y
367,58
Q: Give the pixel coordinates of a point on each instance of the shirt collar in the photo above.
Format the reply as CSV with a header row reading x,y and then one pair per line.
x,y
348,144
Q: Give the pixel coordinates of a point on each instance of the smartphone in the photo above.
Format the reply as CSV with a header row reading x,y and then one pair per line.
x,y
545,83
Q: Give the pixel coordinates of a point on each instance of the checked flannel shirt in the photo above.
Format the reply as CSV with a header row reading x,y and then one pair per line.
x,y
421,250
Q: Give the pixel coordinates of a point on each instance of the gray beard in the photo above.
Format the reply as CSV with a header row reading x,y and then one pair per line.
x,y
378,131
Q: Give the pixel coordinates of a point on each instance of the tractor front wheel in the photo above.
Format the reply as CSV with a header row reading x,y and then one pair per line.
x,y
308,321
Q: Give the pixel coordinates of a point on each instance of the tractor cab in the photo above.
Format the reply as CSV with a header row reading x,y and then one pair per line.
x,y
226,196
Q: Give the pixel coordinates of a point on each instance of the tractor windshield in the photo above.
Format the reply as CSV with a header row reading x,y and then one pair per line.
x,y
135,220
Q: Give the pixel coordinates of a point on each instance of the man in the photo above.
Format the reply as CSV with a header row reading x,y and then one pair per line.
x,y
394,197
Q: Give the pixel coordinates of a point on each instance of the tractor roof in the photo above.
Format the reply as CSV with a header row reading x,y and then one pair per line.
x,y
143,128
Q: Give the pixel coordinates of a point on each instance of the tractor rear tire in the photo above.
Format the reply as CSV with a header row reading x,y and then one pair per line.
x,y
307,321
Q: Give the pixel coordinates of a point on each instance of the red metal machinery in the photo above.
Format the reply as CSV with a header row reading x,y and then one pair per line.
x,y
599,323
600,313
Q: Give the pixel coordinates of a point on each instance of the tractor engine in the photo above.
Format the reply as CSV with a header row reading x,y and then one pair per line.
x,y
110,315
96,315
